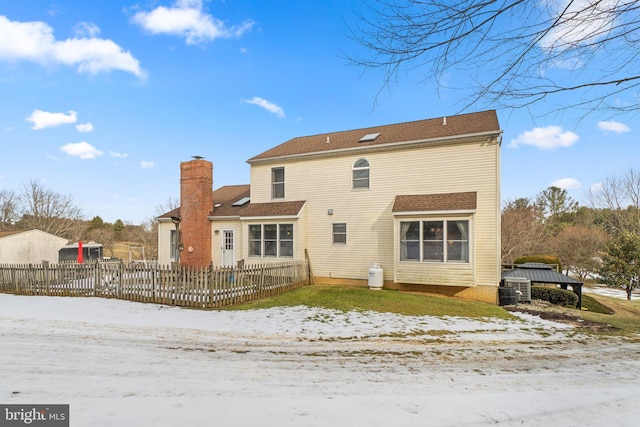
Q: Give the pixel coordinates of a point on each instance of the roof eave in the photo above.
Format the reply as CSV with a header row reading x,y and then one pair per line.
x,y
438,212
254,218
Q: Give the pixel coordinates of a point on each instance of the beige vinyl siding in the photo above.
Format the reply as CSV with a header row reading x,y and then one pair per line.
x,y
216,239
164,242
325,183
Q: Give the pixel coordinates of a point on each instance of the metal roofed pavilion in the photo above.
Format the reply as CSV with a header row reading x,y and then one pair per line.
x,y
543,273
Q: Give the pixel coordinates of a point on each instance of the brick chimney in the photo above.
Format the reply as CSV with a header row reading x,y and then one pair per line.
x,y
196,201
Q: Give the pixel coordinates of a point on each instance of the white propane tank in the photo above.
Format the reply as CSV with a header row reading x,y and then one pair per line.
x,y
376,277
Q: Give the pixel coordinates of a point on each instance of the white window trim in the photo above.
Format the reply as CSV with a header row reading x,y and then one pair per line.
x,y
367,168
421,241
333,234
274,183
278,241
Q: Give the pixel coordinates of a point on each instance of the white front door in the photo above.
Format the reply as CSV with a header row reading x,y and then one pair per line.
x,y
228,258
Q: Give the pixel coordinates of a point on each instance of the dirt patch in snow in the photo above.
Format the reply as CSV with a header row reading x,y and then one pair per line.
x,y
548,311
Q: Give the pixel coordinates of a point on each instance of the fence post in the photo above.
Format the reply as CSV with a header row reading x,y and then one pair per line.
x,y
45,275
153,285
31,279
119,283
97,270
14,282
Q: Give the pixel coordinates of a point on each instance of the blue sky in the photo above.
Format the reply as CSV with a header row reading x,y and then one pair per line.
x,y
103,99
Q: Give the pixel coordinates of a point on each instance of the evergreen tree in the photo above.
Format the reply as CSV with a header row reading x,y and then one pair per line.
x,y
621,262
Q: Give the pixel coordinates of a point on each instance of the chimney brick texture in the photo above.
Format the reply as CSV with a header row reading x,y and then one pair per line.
x,y
196,201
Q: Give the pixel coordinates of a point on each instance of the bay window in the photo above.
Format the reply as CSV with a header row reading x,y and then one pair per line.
x,y
271,240
434,241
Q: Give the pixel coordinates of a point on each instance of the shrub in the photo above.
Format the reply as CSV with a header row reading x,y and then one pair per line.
x,y
555,296
545,259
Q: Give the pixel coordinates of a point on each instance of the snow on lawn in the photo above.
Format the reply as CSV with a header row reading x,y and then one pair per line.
x,y
120,363
610,292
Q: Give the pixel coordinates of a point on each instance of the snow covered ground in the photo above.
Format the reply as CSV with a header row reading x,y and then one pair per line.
x,y
120,363
610,292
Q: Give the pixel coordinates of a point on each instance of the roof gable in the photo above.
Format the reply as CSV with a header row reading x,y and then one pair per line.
x,y
421,130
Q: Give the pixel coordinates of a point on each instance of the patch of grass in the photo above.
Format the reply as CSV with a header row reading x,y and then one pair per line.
x,y
347,298
626,315
594,306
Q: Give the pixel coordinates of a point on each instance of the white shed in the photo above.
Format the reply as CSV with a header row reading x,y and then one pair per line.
x,y
29,247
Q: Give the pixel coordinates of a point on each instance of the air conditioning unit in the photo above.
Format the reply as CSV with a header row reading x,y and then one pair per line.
x,y
522,285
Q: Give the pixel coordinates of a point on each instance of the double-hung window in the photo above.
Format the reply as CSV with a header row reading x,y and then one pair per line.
x,y
285,238
277,183
360,174
339,233
434,241
173,247
271,240
255,240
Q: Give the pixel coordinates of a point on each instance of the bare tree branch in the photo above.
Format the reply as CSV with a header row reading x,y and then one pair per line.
x,y
518,52
8,209
618,198
49,211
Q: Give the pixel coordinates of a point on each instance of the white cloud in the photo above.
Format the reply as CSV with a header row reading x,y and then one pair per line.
x,y
85,127
582,22
83,149
612,126
267,105
86,29
567,183
43,119
187,19
547,138
145,164
35,42
597,187
118,155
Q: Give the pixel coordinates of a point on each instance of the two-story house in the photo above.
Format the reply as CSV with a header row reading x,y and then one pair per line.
x,y
420,198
